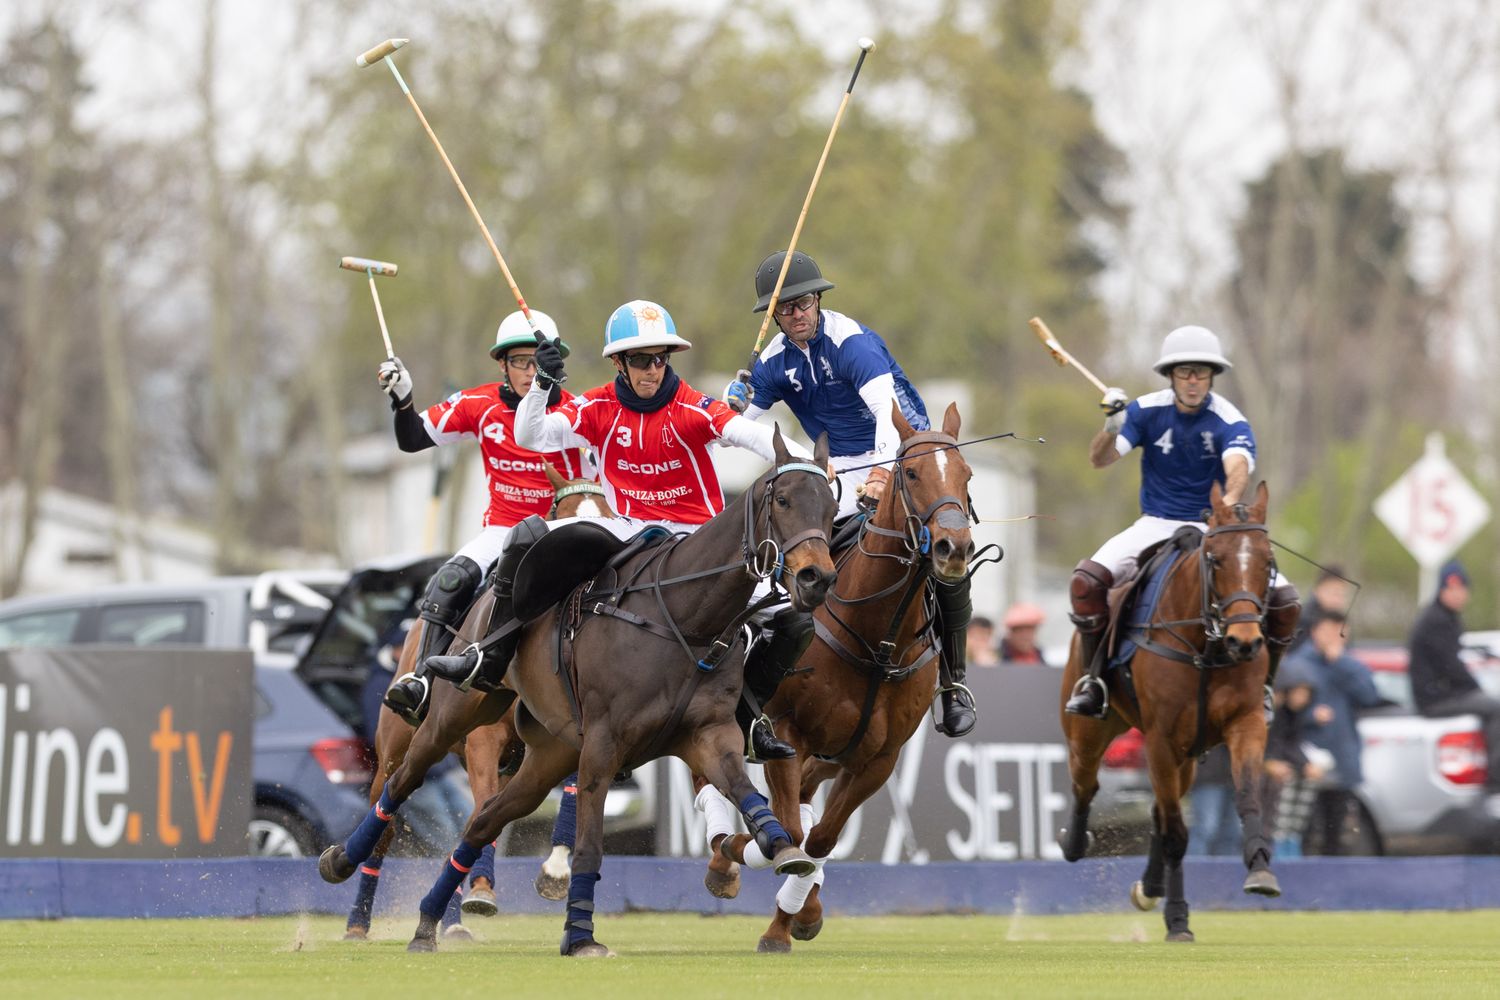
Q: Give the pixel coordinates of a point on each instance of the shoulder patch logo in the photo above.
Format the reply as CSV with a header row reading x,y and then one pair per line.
x,y
703,402
1208,442
827,368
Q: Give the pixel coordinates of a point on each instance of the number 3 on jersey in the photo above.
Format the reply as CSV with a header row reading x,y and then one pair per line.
x,y
1165,442
622,435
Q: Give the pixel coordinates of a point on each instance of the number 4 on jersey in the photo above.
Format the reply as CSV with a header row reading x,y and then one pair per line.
x,y
1165,442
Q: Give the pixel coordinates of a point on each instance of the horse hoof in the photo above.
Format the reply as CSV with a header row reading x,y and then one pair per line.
x,y
590,949
426,937
422,944
334,865
721,884
1070,850
458,932
806,932
773,946
480,902
1181,937
554,887
357,934
1140,900
1262,883
792,860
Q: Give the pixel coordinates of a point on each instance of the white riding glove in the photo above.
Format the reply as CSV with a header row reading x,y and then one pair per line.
x,y
396,381
1114,402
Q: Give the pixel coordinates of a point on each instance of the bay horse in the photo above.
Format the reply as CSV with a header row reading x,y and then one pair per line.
x,y
869,676
1194,681
490,752
656,668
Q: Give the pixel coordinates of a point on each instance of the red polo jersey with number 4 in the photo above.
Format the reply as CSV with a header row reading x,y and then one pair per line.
x,y
517,477
654,466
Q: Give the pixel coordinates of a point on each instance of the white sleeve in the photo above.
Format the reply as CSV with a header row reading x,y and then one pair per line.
x,y
542,431
760,439
879,394
1122,445
753,412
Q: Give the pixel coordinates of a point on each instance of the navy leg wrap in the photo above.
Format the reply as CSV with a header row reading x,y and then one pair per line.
x,y
364,896
485,866
361,843
578,928
454,869
453,912
763,824
565,827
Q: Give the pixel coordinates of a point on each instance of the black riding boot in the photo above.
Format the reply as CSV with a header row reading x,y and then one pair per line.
x,y
449,594
766,665
1090,593
954,611
464,668
1283,612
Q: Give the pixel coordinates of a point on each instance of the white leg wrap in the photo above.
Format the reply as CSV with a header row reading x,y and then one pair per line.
x,y
754,858
557,864
792,895
717,810
810,819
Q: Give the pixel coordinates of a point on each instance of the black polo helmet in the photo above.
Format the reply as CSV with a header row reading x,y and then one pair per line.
x,y
802,277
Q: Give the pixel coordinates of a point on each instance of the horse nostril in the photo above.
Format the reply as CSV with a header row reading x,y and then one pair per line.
x,y
969,552
943,549
810,577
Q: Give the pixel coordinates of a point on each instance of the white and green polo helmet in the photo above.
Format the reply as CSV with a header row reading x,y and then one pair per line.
x,y
1191,345
516,332
639,324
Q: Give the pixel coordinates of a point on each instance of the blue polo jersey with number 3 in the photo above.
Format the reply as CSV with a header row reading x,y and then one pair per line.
x,y
1183,453
820,383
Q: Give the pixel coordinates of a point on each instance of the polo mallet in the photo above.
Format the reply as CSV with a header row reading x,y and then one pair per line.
x,y
372,268
865,47
383,52
1061,356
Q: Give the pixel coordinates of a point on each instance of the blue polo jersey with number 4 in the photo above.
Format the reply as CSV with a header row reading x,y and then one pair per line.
x,y
1183,453
820,383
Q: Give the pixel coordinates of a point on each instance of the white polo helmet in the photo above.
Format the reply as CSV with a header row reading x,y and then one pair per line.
x,y
1191,345
638,324
516,332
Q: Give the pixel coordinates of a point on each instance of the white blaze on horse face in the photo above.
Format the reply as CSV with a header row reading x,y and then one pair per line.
x,y
941,455
590,507
1244,556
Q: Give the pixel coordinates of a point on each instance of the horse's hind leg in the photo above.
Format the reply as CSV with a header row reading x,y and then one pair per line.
x,y
547,762
1152,884
483,750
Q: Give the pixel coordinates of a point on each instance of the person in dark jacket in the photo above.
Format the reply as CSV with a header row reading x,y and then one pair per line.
x,y
1344,685
1440,683
1331,593
1291,776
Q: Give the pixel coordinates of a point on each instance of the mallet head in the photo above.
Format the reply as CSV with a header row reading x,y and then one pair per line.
x,y
363,264
866,43
380,51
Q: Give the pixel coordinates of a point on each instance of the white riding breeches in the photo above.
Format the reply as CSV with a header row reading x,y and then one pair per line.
x,y
1120,554
850,482
484,548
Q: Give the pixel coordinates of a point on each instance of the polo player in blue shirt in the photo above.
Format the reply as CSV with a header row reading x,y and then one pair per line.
x,y
1190,438
837,376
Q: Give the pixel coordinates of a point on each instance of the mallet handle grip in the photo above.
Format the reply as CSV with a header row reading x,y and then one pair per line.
x,y
1061,356
380,51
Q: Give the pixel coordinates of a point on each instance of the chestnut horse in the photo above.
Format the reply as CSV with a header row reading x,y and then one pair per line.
x,y
490,752
868,678
1194,681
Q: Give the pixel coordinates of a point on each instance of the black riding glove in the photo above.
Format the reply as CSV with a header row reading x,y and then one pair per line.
x,y
549,363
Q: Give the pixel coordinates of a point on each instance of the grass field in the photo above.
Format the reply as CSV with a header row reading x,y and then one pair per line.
x,y
1257,955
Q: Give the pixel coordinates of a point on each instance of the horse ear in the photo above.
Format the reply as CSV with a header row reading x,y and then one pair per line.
x,y
1216,496
950,420
820,450
779,446
1262,501
899,419
557,481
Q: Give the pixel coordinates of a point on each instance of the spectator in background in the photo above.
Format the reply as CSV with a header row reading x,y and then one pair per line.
x,y
1018,644
979,642
1330,593
1215,828
1344,685
1292,777
1440,683
384,657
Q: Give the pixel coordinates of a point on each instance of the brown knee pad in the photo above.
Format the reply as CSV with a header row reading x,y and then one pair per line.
x,y
1283,609
1089,589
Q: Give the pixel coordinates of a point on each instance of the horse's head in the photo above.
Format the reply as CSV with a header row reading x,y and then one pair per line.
x,y
797,508
1237,571
928,495
575,497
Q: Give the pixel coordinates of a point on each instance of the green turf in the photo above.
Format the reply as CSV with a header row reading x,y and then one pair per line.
x,y
1275,955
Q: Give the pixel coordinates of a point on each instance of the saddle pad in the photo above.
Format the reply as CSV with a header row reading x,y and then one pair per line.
x,y
567,556
1142,604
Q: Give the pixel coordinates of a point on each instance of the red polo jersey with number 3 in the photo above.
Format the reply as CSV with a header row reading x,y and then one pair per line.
x,y
654,466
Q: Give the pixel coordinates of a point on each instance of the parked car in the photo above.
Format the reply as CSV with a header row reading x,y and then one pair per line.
x,y
311,769
1424,778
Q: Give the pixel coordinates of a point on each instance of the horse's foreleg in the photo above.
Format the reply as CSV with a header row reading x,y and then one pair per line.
x,y
483,750
600,760
1247,747
392,737
547,763
717,757
1087,740
1174,847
